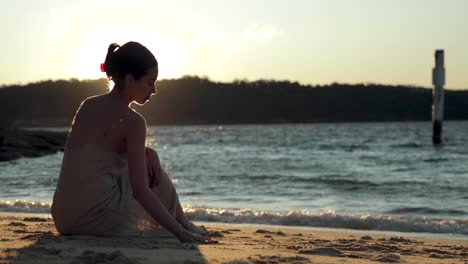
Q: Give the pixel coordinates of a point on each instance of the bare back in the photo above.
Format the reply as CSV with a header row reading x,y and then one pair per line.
x,y
102,121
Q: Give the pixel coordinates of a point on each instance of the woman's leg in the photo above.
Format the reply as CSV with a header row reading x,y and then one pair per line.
x,y
185,222
166,193
168,196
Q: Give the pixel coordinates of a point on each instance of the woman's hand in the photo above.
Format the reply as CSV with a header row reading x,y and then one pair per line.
x,y
153,166
187,236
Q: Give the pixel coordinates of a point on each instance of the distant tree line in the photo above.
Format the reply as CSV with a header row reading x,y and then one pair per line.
x,y
195,100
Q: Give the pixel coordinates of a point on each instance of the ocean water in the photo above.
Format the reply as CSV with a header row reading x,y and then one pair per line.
x,y
366,176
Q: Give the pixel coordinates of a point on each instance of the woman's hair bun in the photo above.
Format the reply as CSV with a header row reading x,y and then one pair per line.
x,y
110,53
130,58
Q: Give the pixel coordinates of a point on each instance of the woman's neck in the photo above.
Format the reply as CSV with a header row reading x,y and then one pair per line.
x,y
121,96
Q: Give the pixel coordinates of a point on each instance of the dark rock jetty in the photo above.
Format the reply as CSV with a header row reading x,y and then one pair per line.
x,y
17,143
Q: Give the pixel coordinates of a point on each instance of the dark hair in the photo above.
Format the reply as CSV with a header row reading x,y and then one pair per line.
x,y
132,58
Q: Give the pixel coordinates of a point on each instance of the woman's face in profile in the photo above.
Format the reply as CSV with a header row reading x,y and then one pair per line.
x,y
145,87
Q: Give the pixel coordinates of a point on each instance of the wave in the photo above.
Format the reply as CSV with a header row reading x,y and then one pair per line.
x,y
425,210
345,180
190,193
333,181
347,148
407,145
436,160
23,206
329,219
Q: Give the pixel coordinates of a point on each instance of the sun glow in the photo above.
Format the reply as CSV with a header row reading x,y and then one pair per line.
x,y
93,49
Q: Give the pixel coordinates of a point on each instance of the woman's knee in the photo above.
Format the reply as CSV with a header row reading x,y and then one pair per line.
x,y
164,183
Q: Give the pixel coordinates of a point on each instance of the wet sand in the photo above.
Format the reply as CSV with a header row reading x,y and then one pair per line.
x,y
33,239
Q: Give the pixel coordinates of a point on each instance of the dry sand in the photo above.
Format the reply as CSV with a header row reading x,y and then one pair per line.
x,y
26,239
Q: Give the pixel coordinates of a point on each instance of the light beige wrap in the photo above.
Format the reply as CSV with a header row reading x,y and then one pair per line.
x,y
94,196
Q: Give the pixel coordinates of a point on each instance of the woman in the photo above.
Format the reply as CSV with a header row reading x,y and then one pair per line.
x,y
110,183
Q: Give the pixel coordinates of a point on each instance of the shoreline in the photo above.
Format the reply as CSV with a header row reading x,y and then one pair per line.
x,y
416,235
391,224
421,235
33,239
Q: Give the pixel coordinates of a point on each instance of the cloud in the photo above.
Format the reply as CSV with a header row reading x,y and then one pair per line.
x,y
256,31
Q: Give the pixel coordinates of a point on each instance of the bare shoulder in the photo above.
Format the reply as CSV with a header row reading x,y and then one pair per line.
x,y
93,99
135,122
90,101
135,131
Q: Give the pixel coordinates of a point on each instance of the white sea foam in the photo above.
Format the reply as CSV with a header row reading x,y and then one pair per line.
x,y
329,219
23,206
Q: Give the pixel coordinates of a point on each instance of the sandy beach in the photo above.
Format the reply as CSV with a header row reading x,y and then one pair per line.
x,y
33,239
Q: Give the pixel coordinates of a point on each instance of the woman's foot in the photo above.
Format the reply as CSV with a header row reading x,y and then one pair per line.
x,y
187,236
200,230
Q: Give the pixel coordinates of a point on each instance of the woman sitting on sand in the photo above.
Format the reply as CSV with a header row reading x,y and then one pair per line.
x,y
110,183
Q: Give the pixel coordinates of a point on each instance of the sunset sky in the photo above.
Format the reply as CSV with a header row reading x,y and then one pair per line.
x,y
310,41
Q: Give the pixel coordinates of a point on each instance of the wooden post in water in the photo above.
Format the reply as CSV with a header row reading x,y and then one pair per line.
x,y
438,80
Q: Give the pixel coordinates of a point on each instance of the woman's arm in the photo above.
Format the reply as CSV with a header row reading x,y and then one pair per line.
x,y
136,134
153,166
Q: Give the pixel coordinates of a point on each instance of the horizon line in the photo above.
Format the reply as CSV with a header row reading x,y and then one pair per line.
x,y
9,85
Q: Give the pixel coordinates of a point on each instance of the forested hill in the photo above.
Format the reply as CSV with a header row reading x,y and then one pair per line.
x,y
194,100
